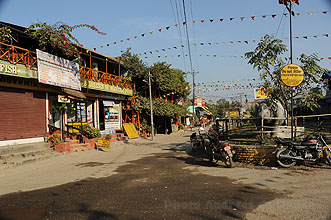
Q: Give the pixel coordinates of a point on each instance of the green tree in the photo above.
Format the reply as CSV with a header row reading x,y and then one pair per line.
x,y
266,58
5,35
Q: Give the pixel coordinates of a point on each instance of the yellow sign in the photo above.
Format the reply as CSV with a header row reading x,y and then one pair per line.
x,y
103,144
292,75
234,114
259,94
130,130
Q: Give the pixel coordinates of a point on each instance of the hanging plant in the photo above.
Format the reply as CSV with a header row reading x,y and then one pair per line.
x,y
59,37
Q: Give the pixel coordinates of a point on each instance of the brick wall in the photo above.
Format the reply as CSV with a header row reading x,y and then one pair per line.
x,y
258,155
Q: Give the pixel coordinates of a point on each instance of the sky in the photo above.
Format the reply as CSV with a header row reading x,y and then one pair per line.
x,y
227,30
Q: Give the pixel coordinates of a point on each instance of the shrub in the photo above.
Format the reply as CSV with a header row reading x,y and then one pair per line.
x,y
91,132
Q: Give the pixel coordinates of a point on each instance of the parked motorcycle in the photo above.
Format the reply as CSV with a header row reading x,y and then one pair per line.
x,y
219,150
310,149
197,140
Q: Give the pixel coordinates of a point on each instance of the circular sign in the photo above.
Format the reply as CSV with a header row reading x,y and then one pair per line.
x,y
292,75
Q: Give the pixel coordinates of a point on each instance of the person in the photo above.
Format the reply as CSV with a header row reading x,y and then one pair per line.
x,y
203,120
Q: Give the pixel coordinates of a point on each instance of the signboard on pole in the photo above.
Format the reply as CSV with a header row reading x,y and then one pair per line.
x,y
292,75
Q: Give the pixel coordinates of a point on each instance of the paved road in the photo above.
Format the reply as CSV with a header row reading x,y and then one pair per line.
x,y
159,180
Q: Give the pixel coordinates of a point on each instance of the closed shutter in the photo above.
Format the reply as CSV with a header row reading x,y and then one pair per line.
x,y
22,113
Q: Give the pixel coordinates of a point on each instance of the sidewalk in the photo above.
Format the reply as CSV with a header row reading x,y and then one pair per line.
x,y
82,165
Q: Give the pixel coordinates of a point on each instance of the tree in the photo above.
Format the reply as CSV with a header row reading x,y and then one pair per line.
x,y
58,37
5,36
266,58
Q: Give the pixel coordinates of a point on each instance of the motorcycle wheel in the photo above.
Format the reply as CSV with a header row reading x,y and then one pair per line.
x,y
327,155
228,161
283,161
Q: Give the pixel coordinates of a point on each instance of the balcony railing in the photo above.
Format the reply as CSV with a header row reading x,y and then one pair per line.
x,y
105,78
17,55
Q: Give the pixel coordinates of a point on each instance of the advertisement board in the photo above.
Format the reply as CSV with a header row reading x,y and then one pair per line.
x,y
56,71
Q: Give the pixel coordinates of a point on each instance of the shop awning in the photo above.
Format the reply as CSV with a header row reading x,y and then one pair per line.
x,y
74,93
190,109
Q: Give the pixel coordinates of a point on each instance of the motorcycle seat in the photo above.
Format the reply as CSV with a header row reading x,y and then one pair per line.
x,y
287,142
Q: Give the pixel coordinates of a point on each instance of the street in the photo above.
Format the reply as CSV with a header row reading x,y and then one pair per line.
x,y
160,180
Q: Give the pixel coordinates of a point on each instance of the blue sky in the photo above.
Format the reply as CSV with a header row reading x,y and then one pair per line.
x,y
128,18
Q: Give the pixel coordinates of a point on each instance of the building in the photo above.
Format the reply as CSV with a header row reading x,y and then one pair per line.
x,y
36,85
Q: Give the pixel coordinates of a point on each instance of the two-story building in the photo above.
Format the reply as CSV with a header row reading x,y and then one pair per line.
x,y
34,84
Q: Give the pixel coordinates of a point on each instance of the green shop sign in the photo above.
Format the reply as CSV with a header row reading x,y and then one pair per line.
x,y
105,87
18,70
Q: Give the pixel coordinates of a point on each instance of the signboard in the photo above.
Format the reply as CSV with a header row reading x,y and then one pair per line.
x,y
234,114
103,144
63,99
259,94
105,87
292,75
56,71
112,115
130,130
17,70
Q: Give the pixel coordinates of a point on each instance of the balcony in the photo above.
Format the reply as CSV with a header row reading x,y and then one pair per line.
x,y
103,81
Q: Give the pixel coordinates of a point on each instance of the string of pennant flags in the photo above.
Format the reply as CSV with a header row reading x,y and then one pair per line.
x,y
203,21
232,42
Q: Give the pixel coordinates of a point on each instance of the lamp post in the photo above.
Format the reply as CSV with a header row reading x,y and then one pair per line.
x,y
151,102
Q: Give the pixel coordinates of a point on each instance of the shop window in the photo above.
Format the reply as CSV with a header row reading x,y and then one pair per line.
x,y
77,112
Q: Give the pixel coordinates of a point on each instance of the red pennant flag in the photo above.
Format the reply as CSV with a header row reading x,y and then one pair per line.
x,y
253,18
184,22
160,30
221,19
326,35
329,58
324,12
186,55
209,43
94,48
114,43
202,21
128,38
182,45
273,16
150,52
239,41
246,41
296,1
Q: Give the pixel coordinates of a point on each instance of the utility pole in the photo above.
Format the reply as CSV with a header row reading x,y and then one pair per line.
x,y
151,101
291,60
193,95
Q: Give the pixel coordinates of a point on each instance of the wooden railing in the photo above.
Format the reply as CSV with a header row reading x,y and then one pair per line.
x,y
105,78
17,55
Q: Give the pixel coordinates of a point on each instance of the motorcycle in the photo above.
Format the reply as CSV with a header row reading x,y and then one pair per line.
x,y
219,150
197,140
289,152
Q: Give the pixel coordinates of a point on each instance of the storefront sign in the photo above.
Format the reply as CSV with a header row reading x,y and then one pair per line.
x,y
112,116
63,99
17,70
292,75
56,71
105,87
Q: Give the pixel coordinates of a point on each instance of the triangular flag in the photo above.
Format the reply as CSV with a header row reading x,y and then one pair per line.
x,y
151,32
176,25
184,22
101,46
310,13
253,18
150,52
157,51
158,56
231,19
324,12
107,45
175,47
202,21
135,36
142,35
114,43
326,35
246,41
273,16
298,14
163,49
87,51
160,30
306,37
122,40
239,41
128,38
315,36
264,16
178,55
221,19
194,44
201,44
242,18
193,22
182,45
211,20
94,48
209,43
167,27
231,42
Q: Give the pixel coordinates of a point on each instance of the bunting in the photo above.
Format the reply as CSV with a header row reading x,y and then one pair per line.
x,y
252,18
